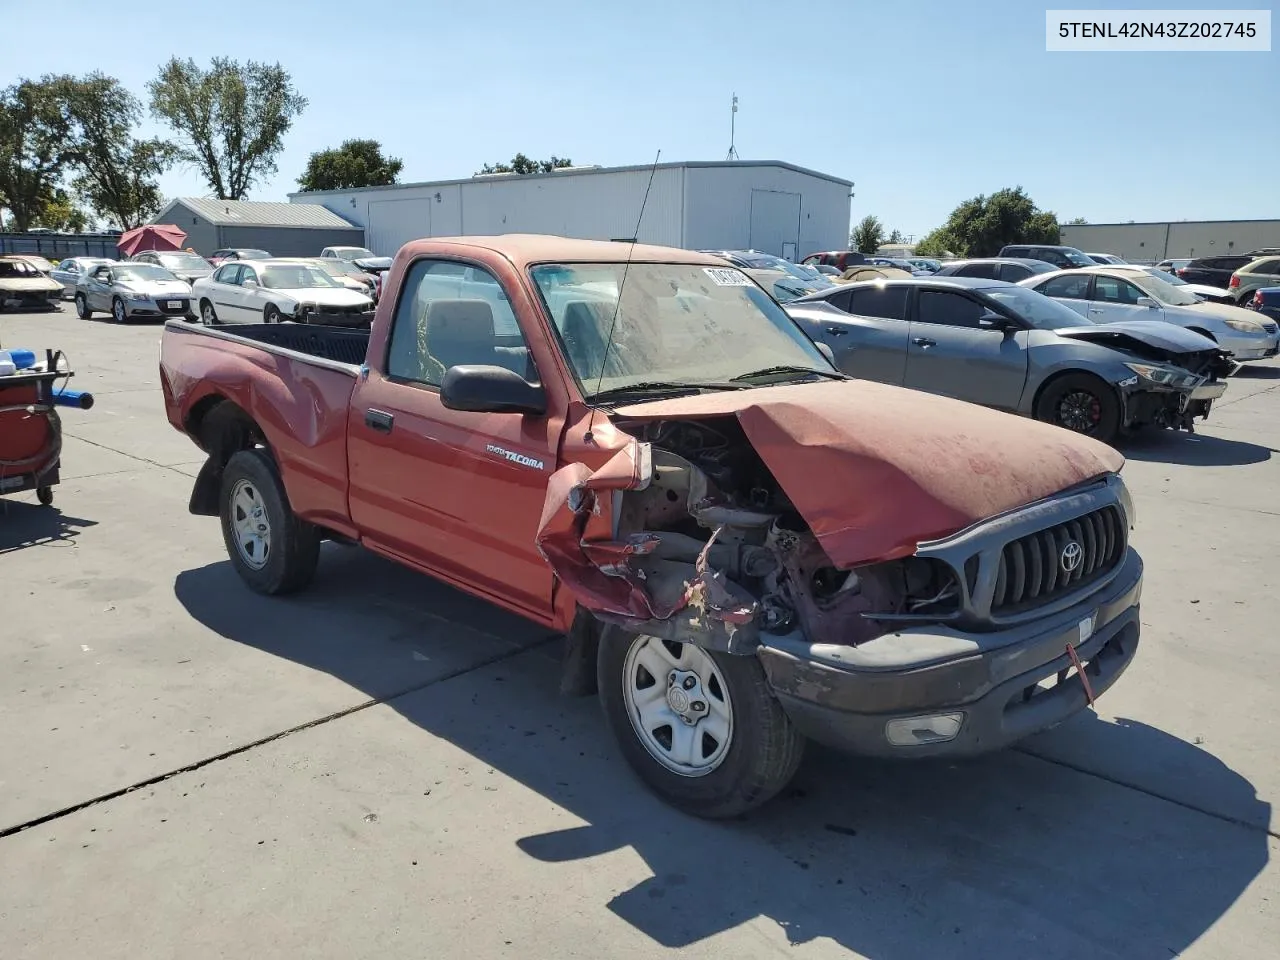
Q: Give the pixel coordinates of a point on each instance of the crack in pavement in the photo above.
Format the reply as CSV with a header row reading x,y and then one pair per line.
x,y
271,738
1185,804
1218,404
131,456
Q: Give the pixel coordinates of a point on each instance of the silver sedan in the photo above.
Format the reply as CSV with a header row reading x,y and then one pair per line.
x,y
72,270
127,290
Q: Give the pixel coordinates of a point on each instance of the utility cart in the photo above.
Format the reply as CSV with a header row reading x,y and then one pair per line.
x,y
30,429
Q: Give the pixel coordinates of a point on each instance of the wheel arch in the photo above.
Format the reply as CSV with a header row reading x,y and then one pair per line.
x,y
1069,372
221,427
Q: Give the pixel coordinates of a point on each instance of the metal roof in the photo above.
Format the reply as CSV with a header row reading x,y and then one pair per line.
x,y
252,213
586,171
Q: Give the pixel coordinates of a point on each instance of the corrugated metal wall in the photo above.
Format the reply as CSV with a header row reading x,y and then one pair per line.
x,y
1154,242
731,208
287,241
691,207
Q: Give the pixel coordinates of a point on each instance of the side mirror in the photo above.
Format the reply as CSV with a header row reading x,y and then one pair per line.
x,y
482,388
990,320
1149,303
248,282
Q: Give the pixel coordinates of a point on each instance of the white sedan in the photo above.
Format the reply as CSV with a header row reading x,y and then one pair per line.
x,y
1116,294
274,291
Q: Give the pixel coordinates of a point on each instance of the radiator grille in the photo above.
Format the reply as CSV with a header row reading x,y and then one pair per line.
x,y
1036,568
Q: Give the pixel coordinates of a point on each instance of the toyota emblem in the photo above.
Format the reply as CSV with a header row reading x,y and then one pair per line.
x,y
1071,556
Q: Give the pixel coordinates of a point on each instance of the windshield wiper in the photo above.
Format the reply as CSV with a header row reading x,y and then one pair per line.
x,y
650,388
786,368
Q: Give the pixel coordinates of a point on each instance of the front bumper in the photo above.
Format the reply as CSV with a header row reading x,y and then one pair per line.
x,y
1250,347
1005,685
158,307
1145,404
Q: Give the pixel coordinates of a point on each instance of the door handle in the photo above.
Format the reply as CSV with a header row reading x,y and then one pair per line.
x,y
1092,310
837,331
379,420
924,342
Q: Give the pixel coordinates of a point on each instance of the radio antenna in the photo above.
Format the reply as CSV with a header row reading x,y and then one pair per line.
x,y
613,322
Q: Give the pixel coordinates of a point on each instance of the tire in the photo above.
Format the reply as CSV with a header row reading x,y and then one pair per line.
x,y
759,755
208,316
45,496
82,307
271,314
282,561
1063,403
118,312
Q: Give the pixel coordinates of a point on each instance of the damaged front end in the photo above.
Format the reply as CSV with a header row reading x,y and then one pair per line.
x,y
685,535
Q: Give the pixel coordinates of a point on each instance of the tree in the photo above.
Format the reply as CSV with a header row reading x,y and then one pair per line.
x,y
230,119
895,236
867,235
1077,221
117,174
522,164
981,226
36,145
59,211
357,163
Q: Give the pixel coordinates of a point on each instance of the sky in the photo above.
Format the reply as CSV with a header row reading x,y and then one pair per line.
x,y
921,105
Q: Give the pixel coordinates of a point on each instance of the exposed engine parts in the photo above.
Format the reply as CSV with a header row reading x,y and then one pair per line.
x,y
727,551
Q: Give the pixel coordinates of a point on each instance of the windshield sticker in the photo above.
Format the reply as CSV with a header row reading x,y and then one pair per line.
x,y
726,277
514,457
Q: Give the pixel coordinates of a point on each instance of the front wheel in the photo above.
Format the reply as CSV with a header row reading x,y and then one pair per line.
x,y
272,550
700,728
82,307
1081,403
118,311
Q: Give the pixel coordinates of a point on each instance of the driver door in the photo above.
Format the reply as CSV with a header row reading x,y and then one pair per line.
x,y
951,354
1115,300
252,296
225,292
97,293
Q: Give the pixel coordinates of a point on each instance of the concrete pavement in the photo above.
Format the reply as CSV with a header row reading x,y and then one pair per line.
x,y
382,766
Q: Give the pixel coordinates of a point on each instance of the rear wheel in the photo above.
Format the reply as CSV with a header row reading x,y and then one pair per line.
x,y
272,550
700,728
1081,403
271,314
82,307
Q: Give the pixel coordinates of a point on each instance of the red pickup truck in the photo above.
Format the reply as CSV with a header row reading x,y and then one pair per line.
x,y
637,446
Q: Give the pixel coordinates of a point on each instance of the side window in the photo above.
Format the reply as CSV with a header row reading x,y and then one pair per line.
x,y
987,271
1072,287
1013,272
1115,290
1050,256
841,300
451,314
1268,268
247,274
228,274
947,308
1015,252
888,303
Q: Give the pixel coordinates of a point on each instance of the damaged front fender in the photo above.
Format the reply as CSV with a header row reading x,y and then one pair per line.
x,y
657,583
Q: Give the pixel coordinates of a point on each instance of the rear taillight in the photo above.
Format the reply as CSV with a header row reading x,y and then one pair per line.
x,y
1180,271
1235,282
1257,299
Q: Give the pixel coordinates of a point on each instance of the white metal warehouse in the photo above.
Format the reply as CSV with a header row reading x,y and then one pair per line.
x,y
763,205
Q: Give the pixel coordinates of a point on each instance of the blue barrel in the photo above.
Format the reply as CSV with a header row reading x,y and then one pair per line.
x,y
22,359
80,399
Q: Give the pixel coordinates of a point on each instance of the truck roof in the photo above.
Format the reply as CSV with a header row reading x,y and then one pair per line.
x,y
527,248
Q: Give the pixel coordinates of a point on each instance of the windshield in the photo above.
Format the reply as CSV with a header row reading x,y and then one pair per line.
x,y
17,268
183,261
1172,279
295,276
1039,311
676,323
353,253
336,268
1164,291
141,271
251,254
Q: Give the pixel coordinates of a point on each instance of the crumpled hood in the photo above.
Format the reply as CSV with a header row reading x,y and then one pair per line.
x,y
875,470
1155,333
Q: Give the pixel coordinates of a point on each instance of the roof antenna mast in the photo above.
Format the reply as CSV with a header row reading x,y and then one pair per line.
x,y
733,123
613,322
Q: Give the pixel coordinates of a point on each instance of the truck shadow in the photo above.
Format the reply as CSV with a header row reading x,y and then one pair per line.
x,y
1007,856
1194,450
25,525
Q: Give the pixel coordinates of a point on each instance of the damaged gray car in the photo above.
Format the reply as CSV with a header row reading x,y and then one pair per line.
x,y
1004,346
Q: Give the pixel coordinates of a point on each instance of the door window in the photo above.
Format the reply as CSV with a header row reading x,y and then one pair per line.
x,y
1013,272
1072,287
947,308
887,302
1115,290
986,271
449,315
229,274
1267,268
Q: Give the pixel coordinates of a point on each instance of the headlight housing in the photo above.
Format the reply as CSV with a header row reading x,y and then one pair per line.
x,y
1164,376
1245,326
137,296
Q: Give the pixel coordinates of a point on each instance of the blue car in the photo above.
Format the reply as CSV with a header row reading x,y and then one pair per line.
x,y
1266,301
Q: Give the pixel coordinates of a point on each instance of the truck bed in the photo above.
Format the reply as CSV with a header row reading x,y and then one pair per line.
x,y
340,344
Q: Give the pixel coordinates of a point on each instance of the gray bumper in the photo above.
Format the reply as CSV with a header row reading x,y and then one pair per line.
x,y
989,678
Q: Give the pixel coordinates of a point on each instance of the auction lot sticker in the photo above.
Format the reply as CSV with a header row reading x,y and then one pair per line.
x,y
727,277
1156,31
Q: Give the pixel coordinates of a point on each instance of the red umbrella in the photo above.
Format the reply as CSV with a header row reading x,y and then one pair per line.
x,y
153,236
